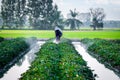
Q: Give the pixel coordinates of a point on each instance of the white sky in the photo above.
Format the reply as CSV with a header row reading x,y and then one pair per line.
x,y
111,7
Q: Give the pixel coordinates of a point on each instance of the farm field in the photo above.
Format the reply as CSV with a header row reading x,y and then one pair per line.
x,y
104,34
59,40
105,51
58,62
10,52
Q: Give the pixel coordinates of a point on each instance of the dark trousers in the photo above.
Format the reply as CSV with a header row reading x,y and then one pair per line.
x,y
58,34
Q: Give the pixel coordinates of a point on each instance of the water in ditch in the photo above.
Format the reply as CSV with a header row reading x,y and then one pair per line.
x,y
14,73
102,72
23,65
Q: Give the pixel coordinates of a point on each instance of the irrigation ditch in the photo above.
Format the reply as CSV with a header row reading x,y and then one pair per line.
x,y
21,64
19,67
102,73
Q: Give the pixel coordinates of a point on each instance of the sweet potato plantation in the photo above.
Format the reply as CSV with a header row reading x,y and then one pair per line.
x,y
106,51
58,62
10,49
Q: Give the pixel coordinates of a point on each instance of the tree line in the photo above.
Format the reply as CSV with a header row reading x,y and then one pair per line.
x,y
42,14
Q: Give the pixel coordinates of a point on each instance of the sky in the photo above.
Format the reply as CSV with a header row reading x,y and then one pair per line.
x,y
111,7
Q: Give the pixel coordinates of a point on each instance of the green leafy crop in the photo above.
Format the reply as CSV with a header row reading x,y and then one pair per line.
x,y
9,49
58,62
108,51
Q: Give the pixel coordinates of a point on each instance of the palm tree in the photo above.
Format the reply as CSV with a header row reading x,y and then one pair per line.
x,y
73,22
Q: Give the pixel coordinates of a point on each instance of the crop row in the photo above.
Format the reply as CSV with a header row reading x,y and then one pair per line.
x,y
9,49
107,51
58,62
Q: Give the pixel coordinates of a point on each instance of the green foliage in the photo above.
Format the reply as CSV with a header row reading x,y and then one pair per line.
x,y
19,13
97,18
6,12
73,13
87,41
9,49
58,62
108,50
56,18
13,13
73,22
41,13
1,39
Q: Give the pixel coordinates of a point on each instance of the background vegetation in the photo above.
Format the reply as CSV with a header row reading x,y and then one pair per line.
x,y
83,33
44,15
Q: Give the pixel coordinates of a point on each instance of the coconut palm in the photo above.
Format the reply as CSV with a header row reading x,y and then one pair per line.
x,y
73,22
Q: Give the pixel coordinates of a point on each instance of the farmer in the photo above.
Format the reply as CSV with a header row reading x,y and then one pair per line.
x,y
58,33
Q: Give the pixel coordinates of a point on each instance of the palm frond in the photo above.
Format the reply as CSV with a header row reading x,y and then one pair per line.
x,y
73,13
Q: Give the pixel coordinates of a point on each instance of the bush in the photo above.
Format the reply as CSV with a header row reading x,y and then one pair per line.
x,y
58,62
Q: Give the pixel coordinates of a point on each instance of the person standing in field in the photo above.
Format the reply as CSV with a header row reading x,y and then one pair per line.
x,y
58,33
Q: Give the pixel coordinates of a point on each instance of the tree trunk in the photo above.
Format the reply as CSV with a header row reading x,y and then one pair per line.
x,y
94,27
2,26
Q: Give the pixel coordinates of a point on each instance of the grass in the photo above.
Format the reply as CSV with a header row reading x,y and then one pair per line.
x,y
26,33
104,34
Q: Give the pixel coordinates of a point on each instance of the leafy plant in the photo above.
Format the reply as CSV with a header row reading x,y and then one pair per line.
x,y
107,51
58,62
9,49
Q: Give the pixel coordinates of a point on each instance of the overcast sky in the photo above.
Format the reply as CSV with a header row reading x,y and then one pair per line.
x,y
111,7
